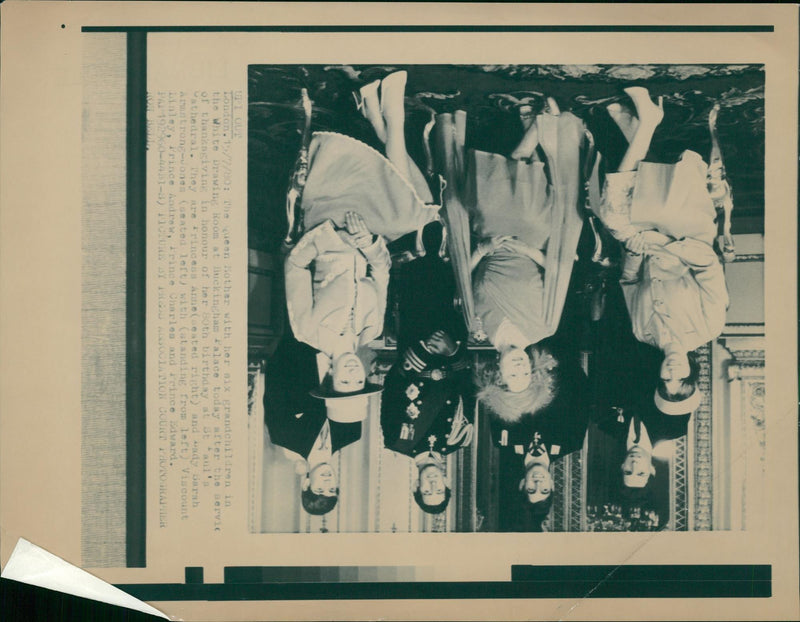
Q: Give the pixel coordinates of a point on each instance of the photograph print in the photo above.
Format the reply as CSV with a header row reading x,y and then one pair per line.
x,y
512,298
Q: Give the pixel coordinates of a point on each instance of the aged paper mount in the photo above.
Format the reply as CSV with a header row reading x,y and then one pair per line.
x,y
197,513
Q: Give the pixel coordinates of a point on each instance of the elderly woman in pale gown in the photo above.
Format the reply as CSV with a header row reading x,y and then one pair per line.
x,y
514,228
672,279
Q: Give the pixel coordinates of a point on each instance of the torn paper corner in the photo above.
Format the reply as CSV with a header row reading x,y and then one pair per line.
x,y
33,565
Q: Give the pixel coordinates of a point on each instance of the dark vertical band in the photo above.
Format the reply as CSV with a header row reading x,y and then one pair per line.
x,y
135,316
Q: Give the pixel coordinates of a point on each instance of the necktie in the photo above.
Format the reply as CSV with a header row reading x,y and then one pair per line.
x,y
324,437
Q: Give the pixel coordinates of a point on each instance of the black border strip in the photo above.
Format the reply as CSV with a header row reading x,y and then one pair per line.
x,y
482,28
650,581
136,441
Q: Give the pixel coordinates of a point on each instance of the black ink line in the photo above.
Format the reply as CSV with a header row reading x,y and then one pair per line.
x,y
510,28
136,445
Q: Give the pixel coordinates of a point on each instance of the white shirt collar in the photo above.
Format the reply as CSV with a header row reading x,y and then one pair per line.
x,y
644,437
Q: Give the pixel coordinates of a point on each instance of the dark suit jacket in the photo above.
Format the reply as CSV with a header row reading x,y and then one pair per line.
x,y
418,406
660,427
422,390
426,290
294,418
625,374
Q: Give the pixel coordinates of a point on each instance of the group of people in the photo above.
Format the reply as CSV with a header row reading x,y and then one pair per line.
x,y
501,237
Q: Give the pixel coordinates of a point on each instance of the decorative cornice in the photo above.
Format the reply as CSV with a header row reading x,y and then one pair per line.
x,y
747,356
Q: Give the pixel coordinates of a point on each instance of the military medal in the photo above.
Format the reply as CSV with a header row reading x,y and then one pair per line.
x,y
412,391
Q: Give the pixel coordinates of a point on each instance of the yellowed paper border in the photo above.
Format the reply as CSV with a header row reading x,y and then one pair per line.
x,y
40,287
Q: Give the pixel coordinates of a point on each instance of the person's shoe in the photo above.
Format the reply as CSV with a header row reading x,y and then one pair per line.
x,y
727,247
526,116
366,92
527,146
368,103
626,122
646,110
712,117
393,89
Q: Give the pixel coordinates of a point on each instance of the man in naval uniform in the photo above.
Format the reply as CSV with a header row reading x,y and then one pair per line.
x,y
428,402
426,412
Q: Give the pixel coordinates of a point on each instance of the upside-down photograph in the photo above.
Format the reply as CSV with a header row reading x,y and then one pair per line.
x,y
400,311
513,298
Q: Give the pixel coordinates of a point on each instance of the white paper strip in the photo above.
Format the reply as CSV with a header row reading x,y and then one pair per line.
x,y
33,565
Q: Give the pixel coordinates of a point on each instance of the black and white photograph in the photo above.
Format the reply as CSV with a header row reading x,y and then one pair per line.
x,y
400,310
506,298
